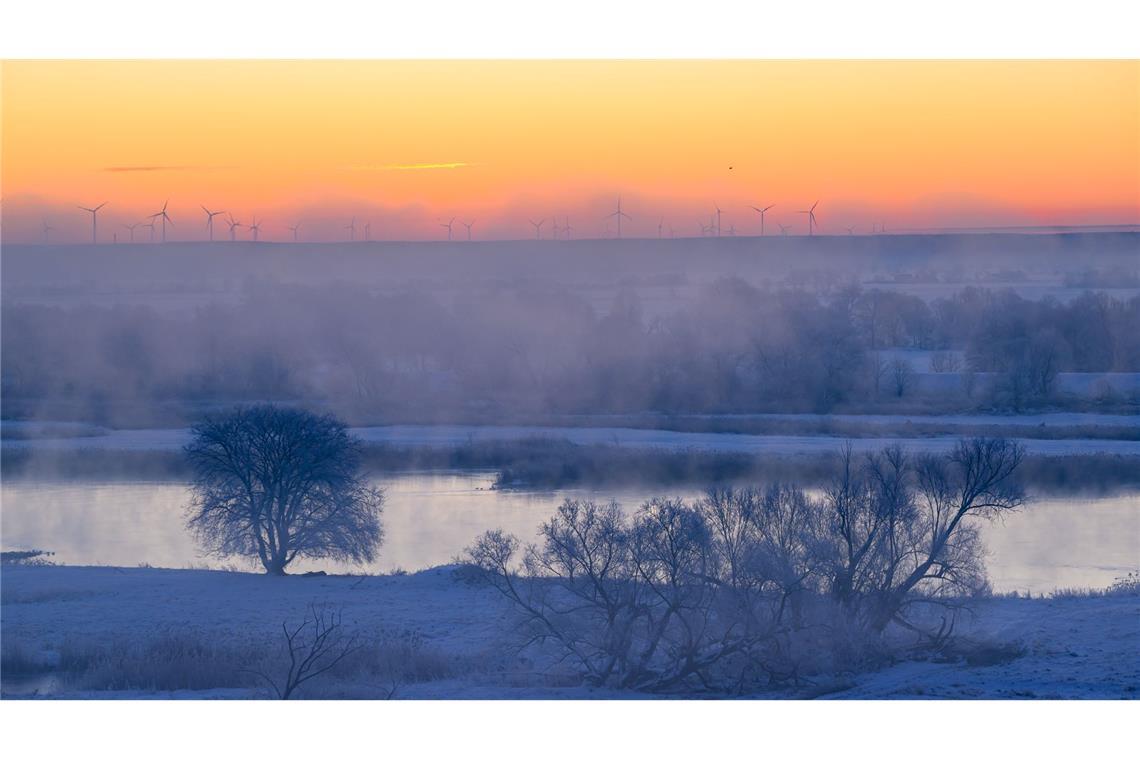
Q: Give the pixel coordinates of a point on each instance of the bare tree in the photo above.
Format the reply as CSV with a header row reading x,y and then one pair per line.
x,y
315,646
276,484
902,377
900,530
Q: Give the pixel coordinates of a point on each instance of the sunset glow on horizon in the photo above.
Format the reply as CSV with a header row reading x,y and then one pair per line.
x,y
406,144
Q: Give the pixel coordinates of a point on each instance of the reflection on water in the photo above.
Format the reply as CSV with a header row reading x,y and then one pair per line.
x,y
430,517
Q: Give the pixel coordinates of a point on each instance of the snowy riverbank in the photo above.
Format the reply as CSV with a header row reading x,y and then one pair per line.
x,y
1080,647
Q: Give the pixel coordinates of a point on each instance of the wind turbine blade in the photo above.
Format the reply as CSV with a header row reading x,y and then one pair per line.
x,y
769,206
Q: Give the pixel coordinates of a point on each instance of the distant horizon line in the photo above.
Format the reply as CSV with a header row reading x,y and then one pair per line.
x,y
1058,229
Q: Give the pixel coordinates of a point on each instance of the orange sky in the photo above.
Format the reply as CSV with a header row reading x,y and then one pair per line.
x,y
404,143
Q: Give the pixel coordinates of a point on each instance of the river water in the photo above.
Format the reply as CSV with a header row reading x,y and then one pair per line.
x,y
430,517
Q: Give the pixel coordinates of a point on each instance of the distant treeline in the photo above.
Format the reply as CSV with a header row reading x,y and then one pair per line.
x,y
728,347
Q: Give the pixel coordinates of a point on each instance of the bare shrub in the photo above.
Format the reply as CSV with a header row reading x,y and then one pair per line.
x,y
170,661
750,588
314,646
630,605
17,659
902,377
945,361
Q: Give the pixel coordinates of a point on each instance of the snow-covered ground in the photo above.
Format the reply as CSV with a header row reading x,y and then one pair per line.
x,y
1048,419
1069,648
172,439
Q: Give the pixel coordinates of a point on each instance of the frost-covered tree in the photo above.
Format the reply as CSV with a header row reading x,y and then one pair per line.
x,y
274,484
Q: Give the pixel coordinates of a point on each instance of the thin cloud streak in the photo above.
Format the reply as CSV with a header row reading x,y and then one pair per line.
x,y
414,167
117,169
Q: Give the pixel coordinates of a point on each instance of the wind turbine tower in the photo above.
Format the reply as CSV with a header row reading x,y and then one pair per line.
x,y
469,225
537,228
94,213
210,220
761,212
233,223
165,218
811,218
619,214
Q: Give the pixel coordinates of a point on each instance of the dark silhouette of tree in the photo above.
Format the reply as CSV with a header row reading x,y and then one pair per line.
x,y
317,645
276,484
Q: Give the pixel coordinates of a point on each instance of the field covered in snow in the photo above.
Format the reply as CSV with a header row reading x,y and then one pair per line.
x,y
54,617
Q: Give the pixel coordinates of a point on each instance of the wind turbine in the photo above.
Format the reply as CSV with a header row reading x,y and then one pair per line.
x,y
850,230
717,219
469,225
537,228
367,232
761,212
165,218
94,213
255,228
619,214
233,223
811,218
131,227
447,227
47,228
351,227
554,228
784,229
150,226
660,224
294,229
567,228
210,220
